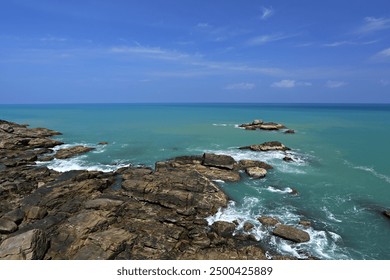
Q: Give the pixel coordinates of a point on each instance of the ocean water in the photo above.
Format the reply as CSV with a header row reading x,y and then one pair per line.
x,y
341,169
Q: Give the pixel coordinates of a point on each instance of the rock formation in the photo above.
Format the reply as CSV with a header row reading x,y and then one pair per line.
x,y
149,214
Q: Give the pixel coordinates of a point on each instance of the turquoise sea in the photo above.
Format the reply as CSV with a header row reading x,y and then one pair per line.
x,y
341,169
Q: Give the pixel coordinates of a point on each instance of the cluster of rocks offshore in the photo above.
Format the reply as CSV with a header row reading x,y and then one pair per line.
x,y
132,213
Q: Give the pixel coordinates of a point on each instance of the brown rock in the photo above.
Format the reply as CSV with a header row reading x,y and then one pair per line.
x,y
36,213
288,158
30,245
291,233
15,215
267,146
223,229
289,131
248,226
305,223
268,221
7,226
219,161
103,143
71,152
103,204
245,163
256,172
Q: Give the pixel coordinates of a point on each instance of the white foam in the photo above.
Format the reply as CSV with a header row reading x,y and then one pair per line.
x,y
275,190
78,163
220,124
330,215
219,181
369,170
322,244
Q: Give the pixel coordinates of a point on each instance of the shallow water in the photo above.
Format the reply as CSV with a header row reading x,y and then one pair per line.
x,y
341,171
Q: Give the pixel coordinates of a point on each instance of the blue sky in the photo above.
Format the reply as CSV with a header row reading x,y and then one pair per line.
x,y
84,51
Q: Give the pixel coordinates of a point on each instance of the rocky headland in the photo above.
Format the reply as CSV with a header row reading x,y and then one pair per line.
x,y
132,213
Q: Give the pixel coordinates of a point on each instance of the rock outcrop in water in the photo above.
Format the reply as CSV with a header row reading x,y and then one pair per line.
x,y
266,146
259,124
149,214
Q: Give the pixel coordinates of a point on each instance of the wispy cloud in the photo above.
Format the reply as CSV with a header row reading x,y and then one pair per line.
x,y
382,56
335,84
372,24
289,84
53,39
384,82
266,13
203,25
240,86
264,39
344,43
384,53
154,52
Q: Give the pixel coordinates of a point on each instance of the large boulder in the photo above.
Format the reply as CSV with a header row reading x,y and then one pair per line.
x,y
30,245
245,163
268,221
7,226
291,233
256,172
219,161
223,229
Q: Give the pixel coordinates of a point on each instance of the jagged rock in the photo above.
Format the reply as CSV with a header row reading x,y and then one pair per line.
x,y
290,131
36,213
6,128
30,245
288,158
267,146
71,152
305,223
15,215
223,229
268,221
105,245
248,226
256,172
103,204
7,226
291,233
259,124
219,161
245,163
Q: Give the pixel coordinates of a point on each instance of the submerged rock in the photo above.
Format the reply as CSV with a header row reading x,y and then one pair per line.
x,y
387,213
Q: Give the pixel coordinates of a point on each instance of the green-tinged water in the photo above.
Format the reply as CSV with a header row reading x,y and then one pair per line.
x,y
341,172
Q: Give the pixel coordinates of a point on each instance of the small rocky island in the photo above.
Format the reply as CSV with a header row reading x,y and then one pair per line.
x,y
132,213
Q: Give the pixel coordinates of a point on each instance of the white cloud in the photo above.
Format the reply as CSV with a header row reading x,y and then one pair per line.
x,y
266,13
203,25
343,43
240,86
264,39
155,52
384,53
289,84
372,24
335,84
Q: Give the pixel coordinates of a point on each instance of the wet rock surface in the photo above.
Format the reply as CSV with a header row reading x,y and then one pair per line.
x,y
266,146
133,213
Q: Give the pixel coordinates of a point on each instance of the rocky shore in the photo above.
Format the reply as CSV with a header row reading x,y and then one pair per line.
x,y
132,213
